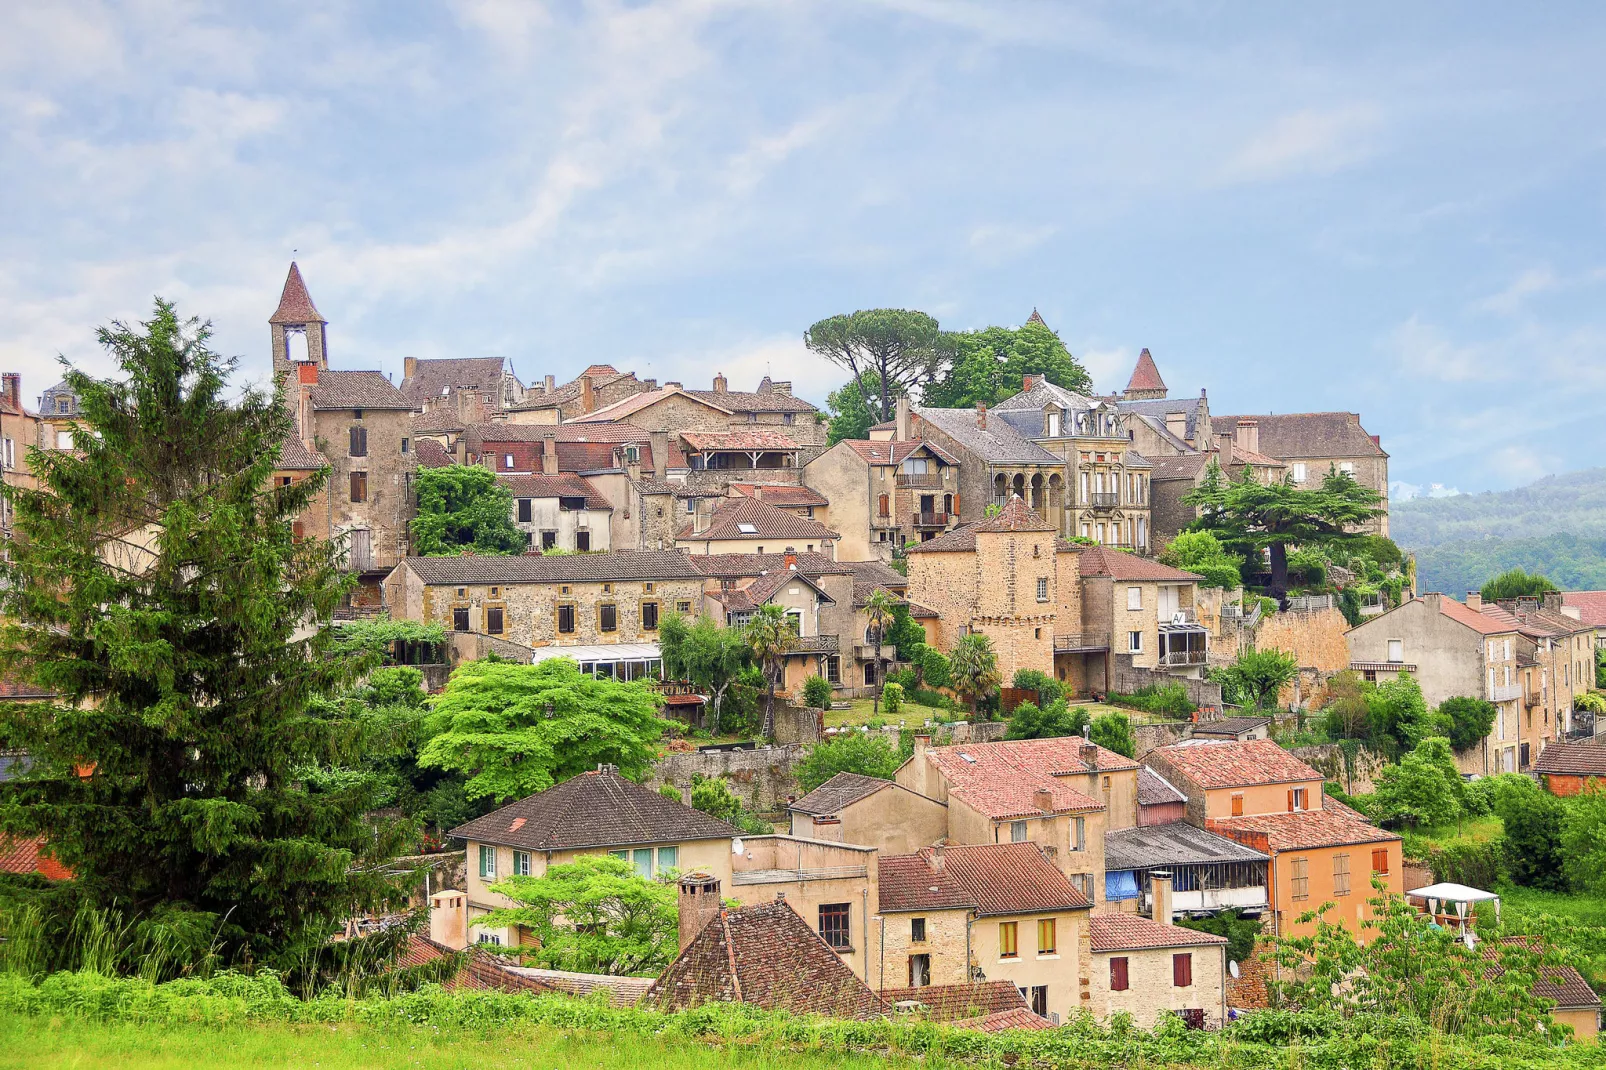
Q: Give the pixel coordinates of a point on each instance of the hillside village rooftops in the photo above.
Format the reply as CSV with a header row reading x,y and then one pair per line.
x,y
896,451
750,518
558,485
997,443
1131,932
1119,565
1002,780
736,566
744,441
782,495
434,378
1227,763
432,454
595,809
1175,843
843,789
1306,829
558,568
989,878
989,1006
357,390
442,418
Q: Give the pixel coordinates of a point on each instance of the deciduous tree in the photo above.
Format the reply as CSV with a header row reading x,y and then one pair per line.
x,y
1515,583
463,507
705,655
885,350
1202,553
1113,731
865,753
1469,720
990,365
1424,788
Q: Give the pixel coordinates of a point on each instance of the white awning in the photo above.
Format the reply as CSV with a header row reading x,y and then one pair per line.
x,y
1453,893
607,652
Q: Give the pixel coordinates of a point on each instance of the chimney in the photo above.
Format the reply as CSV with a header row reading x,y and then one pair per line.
x,y
1090,756
1160,907
702,514
790,560
699,904
902,434
1043,799
937,858
1475,600
1224,449
720,384
1553,601
1029,381
1247,435
783,387
409,367
549,456
660,454
981,415
1177,424
672,386
307,372
14,389
588,396
448,918
550,385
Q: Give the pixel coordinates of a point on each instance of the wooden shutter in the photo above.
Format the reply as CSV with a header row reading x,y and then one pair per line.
x,y
359,486
1118,981
1290,800
359,442
1182,970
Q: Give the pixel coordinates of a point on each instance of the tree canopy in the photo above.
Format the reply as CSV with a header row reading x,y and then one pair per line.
x,y
463,507
1058,718
1256,677
1113,731
1469,720
770,633
515,729
1424,788
1515,583
1202,553
894,347
989,366
866,753
854,409
170,774
705,655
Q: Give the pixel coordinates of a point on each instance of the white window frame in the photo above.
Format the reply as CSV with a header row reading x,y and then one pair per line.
x,y
1396,649
487,862
1299,471
1017,832
521,863
1134,641
1134,598
507,461
1042,588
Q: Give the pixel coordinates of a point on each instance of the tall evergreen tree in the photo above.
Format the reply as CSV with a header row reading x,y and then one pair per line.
x,y
156,588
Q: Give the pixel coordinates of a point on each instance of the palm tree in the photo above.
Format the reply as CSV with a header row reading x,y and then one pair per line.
x,y
770,634
879,606
973,669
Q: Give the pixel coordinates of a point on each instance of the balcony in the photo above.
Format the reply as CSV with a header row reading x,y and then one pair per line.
x,y
1101,500
1182,658
931,520
1080,642
919,479
1505,692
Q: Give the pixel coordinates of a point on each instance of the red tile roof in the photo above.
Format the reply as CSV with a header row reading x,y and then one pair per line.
x,y
1591,606
561,485
480,970
1103,561
295,304
623,410
767,521
1471,618
1001,780
989,878
1563,985
699,441
1572,759
782,495
23,856
432,454
1131,932
1145,376
12,688
908,882
953,1003
1304,829
1228,763
895,451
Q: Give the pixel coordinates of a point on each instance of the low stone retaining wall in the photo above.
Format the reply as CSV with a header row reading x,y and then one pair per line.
x,y
1130,678
1150,737
1329,760
762,777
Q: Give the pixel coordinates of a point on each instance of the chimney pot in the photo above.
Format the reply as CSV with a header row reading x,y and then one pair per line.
x,y
1090,756
938,858
1043,799
721,386
790,560
981,415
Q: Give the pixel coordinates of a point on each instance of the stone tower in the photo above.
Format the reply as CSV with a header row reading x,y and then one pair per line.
x,y
1145,384
1018,593
299,332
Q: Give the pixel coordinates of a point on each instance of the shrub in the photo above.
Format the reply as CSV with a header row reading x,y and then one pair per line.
x,y
935,699
1425,788
714,797
1029,721
1048,689
1256,677
1113,731
1241,933
933,667
1589,700
892,699
907,679
1470,720
1515,583
669,791
1533,819
817,693
1167,699
854,752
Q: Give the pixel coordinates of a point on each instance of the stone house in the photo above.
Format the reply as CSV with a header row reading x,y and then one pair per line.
x,y
1563,658
953,914
19,430
443,426
794,498
1178,475
672,407
472,387
986,1006
731,600
597,599
1571,768
745,525
58,417
1007,577
1146,968
996,461
597,387
886,494
852,808
1143,613
1313,443
594,813
1265,798
1587,607
560,512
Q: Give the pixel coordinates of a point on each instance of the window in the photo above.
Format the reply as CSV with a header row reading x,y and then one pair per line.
x,y
582,541
919,971
549,540
1078,830
1508,649
834,925
521,863
915,466
1380,860
1134,598
493,620
649,615
1396,650
525,506
917,930
63,406
507,460
64,440
356,414
1237,804
487,862
11,454
1134,642
1042,588
1347,467
1007,946
1040,1000
668,858
1299,877
359,442
404,445
1182,969
833,669
460,619
1118,975
566,620
608,617
869,674
1297,799
683,608
359,486
1299,472
641,859
1017,832
1046,937
1341,874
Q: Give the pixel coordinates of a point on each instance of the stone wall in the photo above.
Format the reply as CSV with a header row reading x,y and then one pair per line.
x,y
434,872
1130,678
1316,640
1328,759
763,777
1150,737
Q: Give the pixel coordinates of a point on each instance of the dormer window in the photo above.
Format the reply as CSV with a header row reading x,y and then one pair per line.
x,y
1051,424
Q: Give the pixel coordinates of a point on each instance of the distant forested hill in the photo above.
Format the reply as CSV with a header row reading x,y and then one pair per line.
x,y
1556,526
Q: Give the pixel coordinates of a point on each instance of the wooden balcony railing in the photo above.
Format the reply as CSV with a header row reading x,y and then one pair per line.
x,y
931,520
919,479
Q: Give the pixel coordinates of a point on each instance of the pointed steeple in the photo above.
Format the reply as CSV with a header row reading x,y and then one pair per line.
x,y
1035,318
1146,384
295,304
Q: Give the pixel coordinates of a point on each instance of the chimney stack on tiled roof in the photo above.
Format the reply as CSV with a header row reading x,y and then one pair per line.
x,y
938,858
660,454
549,457
721,385
448,918
588,395
981,415
550,385
790,560
1160,908
1043,799
901,415
1475,600
1247,435
14,389
1090,756
699,904
1029,381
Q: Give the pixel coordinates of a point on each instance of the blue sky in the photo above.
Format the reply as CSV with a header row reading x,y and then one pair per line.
x,y
1393,208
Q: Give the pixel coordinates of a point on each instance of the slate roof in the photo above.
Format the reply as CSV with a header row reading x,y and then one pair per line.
x,y
768,521
481,972
432,454
1001,779
1133,932
1591,606
1307,435
738,440
357,390
561,485
769,957
841,790
595,809
1229,763
896,451
736,566
294,456
1156,790
1305,829
955,1003
1175,843
1103,561
558,568
1572,759
1039,396
295,304
1159,407
782,495
999,443
1145,376
431,377
872,576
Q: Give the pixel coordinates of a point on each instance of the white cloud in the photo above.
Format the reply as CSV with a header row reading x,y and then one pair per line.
x,y
997,242
1426,351
1307,142
1511,299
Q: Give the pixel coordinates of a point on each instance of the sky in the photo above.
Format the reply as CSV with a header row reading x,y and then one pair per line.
x,y
1391,208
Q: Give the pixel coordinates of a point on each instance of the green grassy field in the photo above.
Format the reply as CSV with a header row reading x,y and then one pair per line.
x,y
48,1044
911,714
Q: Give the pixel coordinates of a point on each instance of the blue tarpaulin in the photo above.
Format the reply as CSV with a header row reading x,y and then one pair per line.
x,y
1120,884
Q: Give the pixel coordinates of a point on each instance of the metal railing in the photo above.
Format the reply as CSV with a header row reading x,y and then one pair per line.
x,y
1101,500
1185,657
1076,641
1310,602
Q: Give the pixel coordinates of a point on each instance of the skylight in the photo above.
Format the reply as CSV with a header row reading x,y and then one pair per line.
x,y
747,529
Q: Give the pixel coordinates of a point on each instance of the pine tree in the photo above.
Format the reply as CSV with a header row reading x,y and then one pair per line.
x,y
156,588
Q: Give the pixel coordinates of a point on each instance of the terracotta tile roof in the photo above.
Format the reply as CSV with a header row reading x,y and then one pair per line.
x,y
432,454
1591,606
1103,561
896,452
357,390
1305,829
1344,810
558,568
628,407
999,1021
1133,932
909,883
1155,790
1010,878
295,304
1001,780
952,1003
1575,759
481,972
1536,624
1174,843
1016,515
1307,435
561,485
767,522
1229,726
756,592
295,456
1145,376
699,441
1563,985
1228,763
25,856
842,789
440,418
621,991
736,566
997,443
595,809
961,540
769,957
757,401
571,391
13,688
782,495
433,378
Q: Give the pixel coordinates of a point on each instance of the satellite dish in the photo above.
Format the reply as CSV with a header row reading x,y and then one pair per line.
x,y
1232,968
